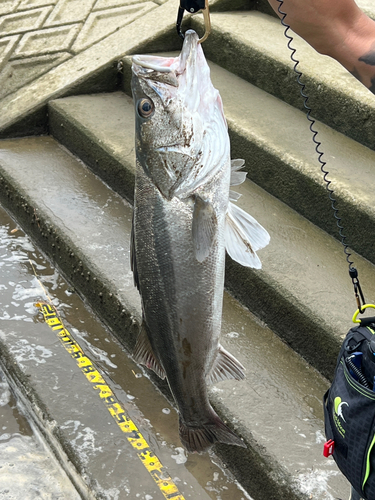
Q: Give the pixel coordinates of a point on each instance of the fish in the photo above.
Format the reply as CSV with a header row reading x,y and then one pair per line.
x,y
184,221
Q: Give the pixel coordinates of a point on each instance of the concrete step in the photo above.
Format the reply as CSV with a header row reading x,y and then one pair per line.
x,y
52,405
368,7
275,140
252,45
299,292
28,467
85,227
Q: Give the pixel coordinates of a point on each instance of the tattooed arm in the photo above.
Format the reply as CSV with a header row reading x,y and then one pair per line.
x,y
336,28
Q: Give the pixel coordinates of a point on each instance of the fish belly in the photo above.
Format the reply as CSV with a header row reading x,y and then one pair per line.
x,y
182,298
182,306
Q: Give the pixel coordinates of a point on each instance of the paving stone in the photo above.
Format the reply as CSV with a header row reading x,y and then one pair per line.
x,y
107,4
159,22
19,72
8,6
47,41
7,45
102,23
69,11
23,21
31,4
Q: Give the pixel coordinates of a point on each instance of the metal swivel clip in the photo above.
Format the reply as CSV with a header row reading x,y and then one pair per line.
x,y
193,6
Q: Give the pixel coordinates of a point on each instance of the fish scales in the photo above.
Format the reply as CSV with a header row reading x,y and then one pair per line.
x,y
181,224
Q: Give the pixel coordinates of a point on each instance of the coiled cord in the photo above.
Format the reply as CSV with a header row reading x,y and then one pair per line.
x,y
361,378
314,137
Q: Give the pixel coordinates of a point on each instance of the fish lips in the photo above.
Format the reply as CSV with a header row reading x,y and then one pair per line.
x,y
167,69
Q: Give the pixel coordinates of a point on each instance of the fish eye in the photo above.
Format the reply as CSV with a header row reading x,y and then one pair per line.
x,y
145,108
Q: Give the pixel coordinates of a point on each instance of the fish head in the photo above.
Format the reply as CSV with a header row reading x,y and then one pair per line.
x,y
181,131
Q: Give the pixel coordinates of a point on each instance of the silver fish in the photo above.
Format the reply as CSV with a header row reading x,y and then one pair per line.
x,y
183,222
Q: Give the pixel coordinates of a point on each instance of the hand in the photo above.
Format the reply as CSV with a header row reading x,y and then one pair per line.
x,y
337,28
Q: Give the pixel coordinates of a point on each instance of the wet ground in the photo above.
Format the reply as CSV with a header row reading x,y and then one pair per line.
x,y
28,469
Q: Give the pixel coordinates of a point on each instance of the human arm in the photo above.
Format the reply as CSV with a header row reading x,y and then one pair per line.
x,y
336,28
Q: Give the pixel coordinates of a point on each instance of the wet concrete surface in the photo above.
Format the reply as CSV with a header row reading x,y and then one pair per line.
x,y
277,408
88,434
28,469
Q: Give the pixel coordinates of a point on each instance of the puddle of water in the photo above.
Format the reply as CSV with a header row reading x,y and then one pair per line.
x,y
11,420
196,476
27,468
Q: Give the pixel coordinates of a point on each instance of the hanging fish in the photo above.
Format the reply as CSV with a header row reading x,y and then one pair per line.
x,y
183,222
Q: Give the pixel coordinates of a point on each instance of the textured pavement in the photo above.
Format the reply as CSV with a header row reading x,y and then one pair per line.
x,y
37,36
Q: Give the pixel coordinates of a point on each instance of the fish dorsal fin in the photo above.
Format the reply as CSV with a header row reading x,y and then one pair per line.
x,y
244,236
204,228
225,367
144,354
236,177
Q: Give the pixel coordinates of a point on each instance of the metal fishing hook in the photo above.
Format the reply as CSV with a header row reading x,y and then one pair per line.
x,y
194,6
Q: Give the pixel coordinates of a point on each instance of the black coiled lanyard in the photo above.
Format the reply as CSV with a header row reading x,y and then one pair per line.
x,y
353,273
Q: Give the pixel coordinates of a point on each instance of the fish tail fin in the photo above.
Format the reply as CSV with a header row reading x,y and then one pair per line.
x,y
199,438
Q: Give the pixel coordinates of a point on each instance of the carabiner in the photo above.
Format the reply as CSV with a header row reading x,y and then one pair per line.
x,y
357,288
193,6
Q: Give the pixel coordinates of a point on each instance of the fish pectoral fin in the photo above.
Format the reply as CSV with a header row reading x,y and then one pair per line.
x,y
204,228
144,355
225,367
244,236
237,177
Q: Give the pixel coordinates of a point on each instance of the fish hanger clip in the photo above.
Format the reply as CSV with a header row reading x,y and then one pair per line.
x,y
194,6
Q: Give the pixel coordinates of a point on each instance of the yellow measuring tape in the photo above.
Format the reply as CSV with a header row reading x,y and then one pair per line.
x,y
115,408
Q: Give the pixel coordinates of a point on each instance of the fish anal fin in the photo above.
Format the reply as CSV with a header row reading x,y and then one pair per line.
x,y
199,438
225,367
144,355
204,228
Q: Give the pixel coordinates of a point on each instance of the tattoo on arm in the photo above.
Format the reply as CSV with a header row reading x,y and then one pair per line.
x,y
368,58
356,74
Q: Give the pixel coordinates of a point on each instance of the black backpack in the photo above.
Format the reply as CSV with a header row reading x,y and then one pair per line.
x,y
349,410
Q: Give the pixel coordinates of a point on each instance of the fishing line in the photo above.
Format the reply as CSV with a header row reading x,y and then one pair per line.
x,y
353,273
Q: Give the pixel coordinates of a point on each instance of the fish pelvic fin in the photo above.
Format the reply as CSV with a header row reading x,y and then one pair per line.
x,y
197,439
204,228
225,367
144,355
244,236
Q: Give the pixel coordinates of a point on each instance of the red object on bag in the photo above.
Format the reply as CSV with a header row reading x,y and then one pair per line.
x,y
329,447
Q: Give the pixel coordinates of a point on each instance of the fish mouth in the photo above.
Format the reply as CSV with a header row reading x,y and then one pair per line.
x,y
156,63
177,65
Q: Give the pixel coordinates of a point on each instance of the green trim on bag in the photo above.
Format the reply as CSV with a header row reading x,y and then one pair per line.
x,y
351,381
368,463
